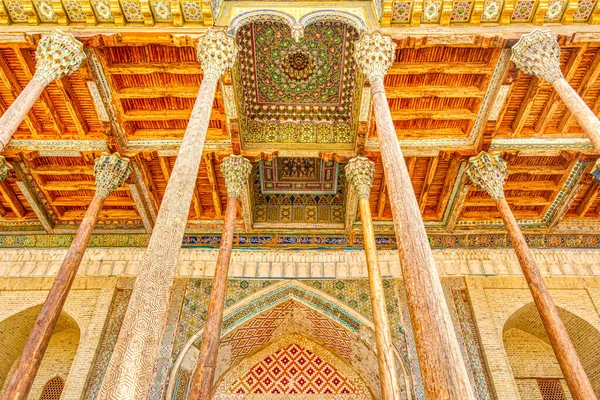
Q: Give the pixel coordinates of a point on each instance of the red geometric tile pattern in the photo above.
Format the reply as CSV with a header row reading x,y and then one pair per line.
x,y
293,370
331,334
259,330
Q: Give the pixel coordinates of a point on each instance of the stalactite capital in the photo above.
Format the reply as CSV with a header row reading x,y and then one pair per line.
x,y
538,54
374,53
596,171
217,52
5,168
110,170
359,173
488,172
235,170
58,55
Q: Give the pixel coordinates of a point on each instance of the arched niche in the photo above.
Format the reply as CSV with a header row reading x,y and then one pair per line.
x,y
283,310
15,330
531,356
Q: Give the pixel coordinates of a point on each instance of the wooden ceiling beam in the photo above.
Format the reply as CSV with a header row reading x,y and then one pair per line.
x,y
3,211
76,215
588,200
11,82
10,196
62,170
84,201
526,105
454,68
70,186
495,215
590,77
444,114
553,101
171,133
431,169
166,115
154,92
28,64
415,92
537,169
179,68
514,201
532,185
430,133
209,159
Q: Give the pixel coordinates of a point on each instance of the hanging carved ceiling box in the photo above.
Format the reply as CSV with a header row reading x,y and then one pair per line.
x,y
300,92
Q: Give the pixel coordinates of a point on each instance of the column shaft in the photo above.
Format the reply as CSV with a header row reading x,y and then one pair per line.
x,y
390,389
16,113
577,380
132,363
582,113
440,359
23,376
211,336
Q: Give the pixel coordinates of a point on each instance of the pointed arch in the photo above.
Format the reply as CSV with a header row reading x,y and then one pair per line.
x,y
319,305
530,353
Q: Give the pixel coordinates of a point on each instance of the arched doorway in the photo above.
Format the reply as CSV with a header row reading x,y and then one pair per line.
x,y
59,356
282,317
532,359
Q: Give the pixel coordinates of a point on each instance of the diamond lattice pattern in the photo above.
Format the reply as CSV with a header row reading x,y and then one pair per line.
x,y
293,370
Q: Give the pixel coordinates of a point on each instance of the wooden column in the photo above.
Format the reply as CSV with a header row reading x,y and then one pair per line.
x,y
359,174
58,55
489,173
538,54
236,170
130,369
440,359
111,171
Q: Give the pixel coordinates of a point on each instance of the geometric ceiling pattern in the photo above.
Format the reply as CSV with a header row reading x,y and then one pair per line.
x,y
297,90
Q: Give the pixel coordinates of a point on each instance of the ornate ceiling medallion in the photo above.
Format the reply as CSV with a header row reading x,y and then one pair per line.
x,y
298,66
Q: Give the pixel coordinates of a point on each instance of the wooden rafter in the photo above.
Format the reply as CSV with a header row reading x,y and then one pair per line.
x,y
62,170
448,185
10,196
11,82
431,169
3,211
28,65
588,200
165,115
515,201
183,68
152,92
84,201
74,106
212,178
526,105
552,104
586,83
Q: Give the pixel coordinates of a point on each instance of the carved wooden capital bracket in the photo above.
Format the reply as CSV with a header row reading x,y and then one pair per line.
x,y
235,170
216,52
538,54
374,53
110,170
58,55
488,172
359,173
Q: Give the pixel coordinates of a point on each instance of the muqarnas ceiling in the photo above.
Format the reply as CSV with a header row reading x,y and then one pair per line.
x,y
301,91
315,206
286,175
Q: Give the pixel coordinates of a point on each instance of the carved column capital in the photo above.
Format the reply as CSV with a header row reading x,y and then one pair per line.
x,y
596,171
538,54
5,168
110,170
217,52
58,55
374,53
488,172
235,170
359,173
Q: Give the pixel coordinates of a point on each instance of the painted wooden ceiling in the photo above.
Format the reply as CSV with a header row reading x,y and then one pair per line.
x,y
450,97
